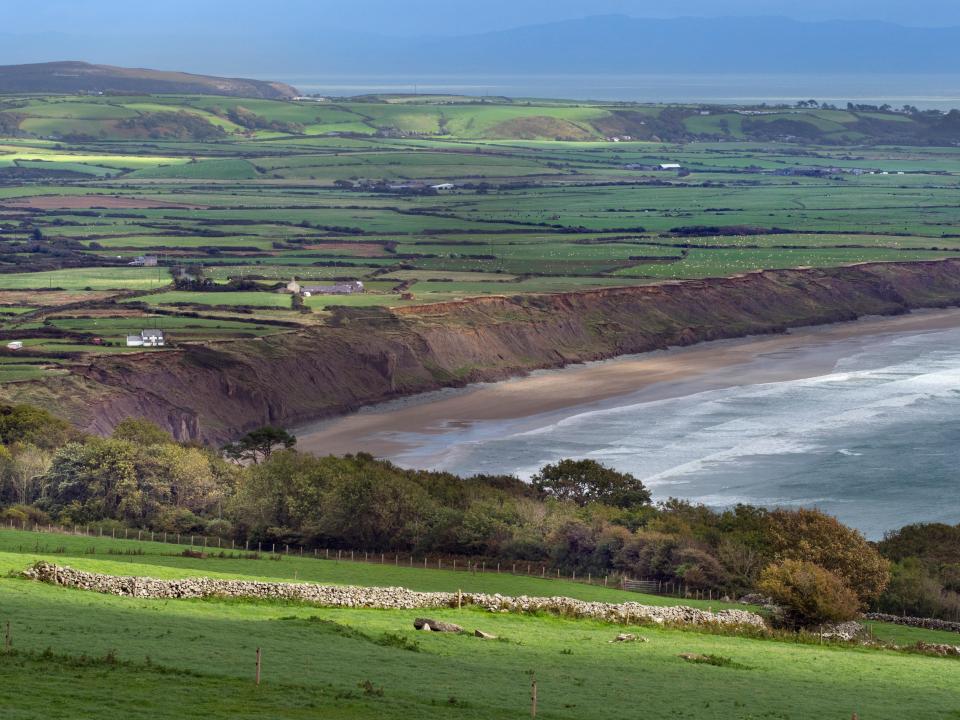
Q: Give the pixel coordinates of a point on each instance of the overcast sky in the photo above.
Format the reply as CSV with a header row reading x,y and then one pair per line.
x,y
423,17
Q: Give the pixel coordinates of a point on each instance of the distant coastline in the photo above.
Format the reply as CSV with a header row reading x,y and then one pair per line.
x,y
938,92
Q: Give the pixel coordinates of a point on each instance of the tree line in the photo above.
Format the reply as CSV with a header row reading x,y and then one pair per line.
x,y
576,515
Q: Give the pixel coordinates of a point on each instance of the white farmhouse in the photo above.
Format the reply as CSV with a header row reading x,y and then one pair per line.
x,y
147,338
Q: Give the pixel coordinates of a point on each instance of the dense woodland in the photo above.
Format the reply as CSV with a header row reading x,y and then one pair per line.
x,y
576,516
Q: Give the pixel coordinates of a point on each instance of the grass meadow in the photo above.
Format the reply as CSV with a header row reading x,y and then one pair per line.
x,y
81,654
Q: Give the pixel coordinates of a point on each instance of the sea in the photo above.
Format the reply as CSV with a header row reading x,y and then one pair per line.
x,y
874,441
928,91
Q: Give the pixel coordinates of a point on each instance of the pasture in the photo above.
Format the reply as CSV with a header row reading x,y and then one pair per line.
x,y
71,649
542,200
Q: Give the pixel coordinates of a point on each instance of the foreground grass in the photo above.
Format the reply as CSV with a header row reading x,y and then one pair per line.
x,y
80,654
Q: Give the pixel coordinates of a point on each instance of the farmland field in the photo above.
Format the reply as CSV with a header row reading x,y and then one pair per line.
x,y
71,649
531,198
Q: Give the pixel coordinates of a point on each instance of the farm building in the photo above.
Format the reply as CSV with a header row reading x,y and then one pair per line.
x,y
443,186
144,261
147,338
15,345
669,166
346,288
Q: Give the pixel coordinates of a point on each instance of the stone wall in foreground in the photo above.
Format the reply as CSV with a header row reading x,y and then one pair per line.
x,y
385,598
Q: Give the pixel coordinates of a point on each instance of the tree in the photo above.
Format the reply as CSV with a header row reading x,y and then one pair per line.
x,y
377,509
258,444
809,594
25,469
912,590
587,481
29,424
142,432
812,536
121,480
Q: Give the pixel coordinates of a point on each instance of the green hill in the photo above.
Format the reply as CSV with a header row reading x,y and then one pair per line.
x,y
81,77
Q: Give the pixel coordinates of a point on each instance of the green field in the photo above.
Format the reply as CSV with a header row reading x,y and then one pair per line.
x,y
543,201
73,651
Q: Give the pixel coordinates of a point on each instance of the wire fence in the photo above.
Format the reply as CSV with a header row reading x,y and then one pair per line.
x,y
205,544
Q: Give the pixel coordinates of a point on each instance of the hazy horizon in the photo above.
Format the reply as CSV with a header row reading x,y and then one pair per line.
x,y
425,18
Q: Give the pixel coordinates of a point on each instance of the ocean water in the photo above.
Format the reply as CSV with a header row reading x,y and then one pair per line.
x,y
924,91
875,441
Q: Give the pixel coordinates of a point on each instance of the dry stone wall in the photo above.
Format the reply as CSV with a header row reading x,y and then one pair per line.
x,y
927,623
390,598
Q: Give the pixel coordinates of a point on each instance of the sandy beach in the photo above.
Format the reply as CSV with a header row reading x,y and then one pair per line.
x,y
801,353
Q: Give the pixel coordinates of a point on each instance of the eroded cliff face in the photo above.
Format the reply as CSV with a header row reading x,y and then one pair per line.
x,y
215,392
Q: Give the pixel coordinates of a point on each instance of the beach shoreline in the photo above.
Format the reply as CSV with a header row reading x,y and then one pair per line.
x,y
384,430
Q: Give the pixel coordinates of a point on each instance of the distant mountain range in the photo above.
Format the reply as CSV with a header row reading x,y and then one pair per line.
x,y
602,44
71,77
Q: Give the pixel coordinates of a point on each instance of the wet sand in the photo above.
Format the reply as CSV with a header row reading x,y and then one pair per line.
x,y
801,353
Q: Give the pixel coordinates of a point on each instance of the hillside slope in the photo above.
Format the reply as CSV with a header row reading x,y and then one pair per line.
x,y
213,392
72,77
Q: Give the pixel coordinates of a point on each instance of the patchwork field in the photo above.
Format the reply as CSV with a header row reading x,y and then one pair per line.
x,y
427,200
174,658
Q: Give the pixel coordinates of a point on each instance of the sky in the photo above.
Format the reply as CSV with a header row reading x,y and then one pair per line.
x,y
423,17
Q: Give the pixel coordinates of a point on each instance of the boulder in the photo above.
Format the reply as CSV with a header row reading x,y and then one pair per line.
x,y
628,637
436,625
484,636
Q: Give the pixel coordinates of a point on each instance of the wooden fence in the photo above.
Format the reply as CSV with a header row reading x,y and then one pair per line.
x,y
208,544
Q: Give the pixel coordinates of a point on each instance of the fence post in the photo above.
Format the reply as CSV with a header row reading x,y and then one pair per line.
x,y
8,637
258,667
533,698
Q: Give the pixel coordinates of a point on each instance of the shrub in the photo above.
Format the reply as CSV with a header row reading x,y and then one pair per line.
x,y
813,537
219,528
809,594
24,514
